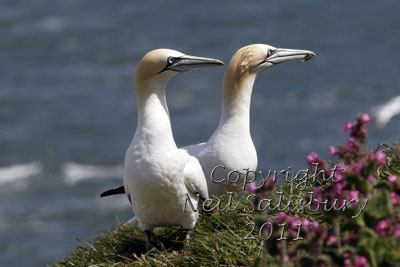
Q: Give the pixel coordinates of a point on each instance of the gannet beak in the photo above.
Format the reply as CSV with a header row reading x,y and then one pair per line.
x,y
186,62
280,55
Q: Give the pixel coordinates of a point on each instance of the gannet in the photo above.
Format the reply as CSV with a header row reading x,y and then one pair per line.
x,y
385,112
158,175
231,145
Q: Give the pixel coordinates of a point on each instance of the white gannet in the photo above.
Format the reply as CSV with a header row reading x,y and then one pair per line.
x,y
385,112
158,175
231,144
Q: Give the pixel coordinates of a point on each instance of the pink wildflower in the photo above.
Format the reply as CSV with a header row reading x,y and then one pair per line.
x,y
332,151
380,157
317,193
361,261
342,167
351,144
347,125
392,178
338,187
395,199
382,227
339,173
358,166
347,262
311,158
252,188
286,258
332,239
365,118
354,194
314,225
280,216
294,222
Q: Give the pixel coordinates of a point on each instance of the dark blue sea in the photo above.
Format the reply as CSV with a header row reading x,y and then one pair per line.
x,y
68,104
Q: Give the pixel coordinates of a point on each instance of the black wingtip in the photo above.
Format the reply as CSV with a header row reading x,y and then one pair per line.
x,y
115,191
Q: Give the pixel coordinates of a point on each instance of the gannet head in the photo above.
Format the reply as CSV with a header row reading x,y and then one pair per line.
x,y
163,64
256,58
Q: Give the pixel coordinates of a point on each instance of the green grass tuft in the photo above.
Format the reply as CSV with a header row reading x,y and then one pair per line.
x,y
216,240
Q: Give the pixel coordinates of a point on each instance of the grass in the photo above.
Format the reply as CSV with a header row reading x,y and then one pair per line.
x,y
393,160
215,240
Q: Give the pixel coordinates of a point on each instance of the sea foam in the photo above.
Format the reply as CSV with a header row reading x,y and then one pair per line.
x,y
74,173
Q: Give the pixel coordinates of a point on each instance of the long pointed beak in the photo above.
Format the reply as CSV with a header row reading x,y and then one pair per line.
x,y
280,55
187,62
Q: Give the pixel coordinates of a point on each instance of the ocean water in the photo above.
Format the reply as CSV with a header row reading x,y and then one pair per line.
x,y
68,105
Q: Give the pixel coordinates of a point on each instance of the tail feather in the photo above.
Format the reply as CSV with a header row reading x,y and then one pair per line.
x,y
115,191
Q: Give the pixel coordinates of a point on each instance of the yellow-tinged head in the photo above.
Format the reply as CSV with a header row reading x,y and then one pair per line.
x,y
163,64
251,60
256,58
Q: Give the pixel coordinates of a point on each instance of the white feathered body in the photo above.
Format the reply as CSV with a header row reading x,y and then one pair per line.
x,y
155,182
231,147
157,174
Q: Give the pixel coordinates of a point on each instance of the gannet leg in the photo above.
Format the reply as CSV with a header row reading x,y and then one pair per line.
x,y
148,240
186,237
188,231
184,234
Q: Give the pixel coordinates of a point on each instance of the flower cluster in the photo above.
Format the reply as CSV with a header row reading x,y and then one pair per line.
x,y
354,260
337,236
357,164
353,150
292,226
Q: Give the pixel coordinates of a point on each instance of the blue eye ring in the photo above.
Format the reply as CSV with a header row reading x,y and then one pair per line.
x,y
171,60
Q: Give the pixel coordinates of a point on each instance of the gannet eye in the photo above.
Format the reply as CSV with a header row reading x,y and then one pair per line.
x,y
170,60
269,52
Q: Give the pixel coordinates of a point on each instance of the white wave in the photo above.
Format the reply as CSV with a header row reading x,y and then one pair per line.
x,y
385,112
19,172
74,173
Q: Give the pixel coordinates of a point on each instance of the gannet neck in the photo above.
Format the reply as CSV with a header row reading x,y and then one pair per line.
x,y
153,117
236,99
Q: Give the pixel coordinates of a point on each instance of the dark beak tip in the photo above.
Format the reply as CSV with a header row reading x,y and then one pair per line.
x,y
308,56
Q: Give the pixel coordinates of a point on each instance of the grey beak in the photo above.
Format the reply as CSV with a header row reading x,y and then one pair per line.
x,y
187,62
280,55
